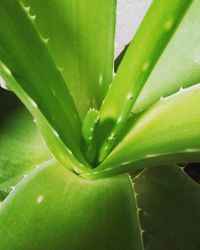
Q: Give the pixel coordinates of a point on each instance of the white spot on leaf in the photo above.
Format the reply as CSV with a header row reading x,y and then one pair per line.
x,y
111,137
129,96
39,199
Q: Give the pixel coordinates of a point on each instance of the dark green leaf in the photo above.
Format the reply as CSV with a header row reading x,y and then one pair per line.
x,y
21,145
170,209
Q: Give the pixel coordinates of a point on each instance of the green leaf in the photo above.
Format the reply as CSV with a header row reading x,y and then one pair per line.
x,y
54,209
170,209
89,126
169,131
179,65
25,57
21,145
81,41
137,64
53,140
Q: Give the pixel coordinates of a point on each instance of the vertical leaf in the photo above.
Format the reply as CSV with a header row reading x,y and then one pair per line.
x,y
138,62
62,153
179,65
81,41
26,59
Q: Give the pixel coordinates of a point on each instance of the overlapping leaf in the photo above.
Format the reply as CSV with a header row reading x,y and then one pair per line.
x,y
21,145
169,131
81,41
179,65
139,60
27,66
54,209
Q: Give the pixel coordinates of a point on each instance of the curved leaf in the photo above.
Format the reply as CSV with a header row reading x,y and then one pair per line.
x,y
169,131
21,145
157,28
179,65
53,140
81,41
25,57
170,208
54,209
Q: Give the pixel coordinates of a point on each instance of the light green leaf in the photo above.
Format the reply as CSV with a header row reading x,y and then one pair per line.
x,y
170,209
53,139
25,57
137,64
169,131
54,209
21,145
81,41
179,65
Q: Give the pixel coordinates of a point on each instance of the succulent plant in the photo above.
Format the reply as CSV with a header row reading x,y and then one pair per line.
x,y
99,168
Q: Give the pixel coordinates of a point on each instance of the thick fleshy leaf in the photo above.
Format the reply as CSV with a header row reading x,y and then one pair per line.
x,y
179,65
81,41
170,209
169,131
53,140
25,57
54,209
138,62
21,145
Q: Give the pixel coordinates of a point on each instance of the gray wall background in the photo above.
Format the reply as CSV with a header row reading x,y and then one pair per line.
x,y
129,16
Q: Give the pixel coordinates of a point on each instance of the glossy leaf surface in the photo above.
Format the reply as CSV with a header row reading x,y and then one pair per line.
x,y
138,62
179,65
33,68
169,131
54,209
80,37
52,138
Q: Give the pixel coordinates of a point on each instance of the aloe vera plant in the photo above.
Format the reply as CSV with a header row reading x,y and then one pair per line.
x,y
97,169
